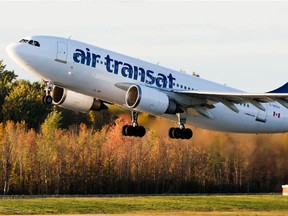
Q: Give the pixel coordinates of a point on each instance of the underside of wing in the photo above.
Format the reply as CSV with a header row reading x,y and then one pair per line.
x,y
201,102
229,99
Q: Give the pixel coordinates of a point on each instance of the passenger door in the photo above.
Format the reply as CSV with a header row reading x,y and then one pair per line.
x,y
62,51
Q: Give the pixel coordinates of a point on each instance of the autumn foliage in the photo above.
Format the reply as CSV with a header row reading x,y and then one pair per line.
x,y
47,150
80,160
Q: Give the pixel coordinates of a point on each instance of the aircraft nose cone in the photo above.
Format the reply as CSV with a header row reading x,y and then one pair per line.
x,y
11,49
17,53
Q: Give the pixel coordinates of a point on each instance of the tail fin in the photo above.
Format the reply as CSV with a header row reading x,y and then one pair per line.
x,y
282,89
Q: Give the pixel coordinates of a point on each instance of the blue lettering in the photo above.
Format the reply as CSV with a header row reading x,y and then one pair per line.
x,y
135,73
79,54
88,57
149,75
130,71
142,74
108,62
171,80
127,69
116,66
161,81
94,59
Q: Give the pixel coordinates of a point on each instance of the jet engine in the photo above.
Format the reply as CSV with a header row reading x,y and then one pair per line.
x,y
75,101
150,100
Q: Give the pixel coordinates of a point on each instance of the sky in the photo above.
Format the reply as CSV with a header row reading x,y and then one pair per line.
x,y
243,44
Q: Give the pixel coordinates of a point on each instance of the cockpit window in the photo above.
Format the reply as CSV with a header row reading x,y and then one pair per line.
x,y
34,43
23,41
31,42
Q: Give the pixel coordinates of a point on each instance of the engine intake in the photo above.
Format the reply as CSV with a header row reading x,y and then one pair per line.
x,y
144,99
75,101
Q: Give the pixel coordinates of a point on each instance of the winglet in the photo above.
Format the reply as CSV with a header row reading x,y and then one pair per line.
x,y
282,89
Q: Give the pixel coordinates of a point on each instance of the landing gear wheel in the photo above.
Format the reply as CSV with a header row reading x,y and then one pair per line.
x,y
133,129
181,132
187,134
129,130
124,130
140,131
171,132
177,133
47,99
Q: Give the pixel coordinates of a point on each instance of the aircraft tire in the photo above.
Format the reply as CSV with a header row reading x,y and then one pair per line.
x,y
171,133
187,134
177,133
47,99
129,130
140,131
124,128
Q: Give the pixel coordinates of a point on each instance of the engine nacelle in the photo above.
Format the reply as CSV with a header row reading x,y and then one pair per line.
x,y
75,101
150,100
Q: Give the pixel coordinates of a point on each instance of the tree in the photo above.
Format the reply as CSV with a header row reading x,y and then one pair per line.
x,y
6,80
47,141
24,103
52,122
8,137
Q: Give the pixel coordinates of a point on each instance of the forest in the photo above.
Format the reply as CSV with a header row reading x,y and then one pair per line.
x,y
45,150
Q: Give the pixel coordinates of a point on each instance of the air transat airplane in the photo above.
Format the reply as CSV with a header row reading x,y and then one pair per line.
x,y
82,77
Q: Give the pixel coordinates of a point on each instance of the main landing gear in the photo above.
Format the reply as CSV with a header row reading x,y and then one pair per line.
x,y
181,132
47,99
134,129
174,133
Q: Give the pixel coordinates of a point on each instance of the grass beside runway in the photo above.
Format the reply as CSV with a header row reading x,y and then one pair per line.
x,y
145,205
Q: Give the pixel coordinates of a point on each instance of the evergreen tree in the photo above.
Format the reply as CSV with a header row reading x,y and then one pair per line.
x,y
6,80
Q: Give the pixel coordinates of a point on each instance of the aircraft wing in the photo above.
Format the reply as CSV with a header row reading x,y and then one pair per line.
x,y
229,99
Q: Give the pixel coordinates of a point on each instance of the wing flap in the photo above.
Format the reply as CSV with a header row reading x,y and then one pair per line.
x,y
203,111
282,102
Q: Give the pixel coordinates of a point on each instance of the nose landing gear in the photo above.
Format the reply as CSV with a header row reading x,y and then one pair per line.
x,y
47,99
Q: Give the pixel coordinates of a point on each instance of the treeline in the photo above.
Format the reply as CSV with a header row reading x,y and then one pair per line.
x,y
47,150
21,100
84,161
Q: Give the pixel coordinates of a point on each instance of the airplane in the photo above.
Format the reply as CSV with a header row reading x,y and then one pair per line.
x,y
82,77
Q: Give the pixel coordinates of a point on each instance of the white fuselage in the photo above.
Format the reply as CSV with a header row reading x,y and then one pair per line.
x,y
94,71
